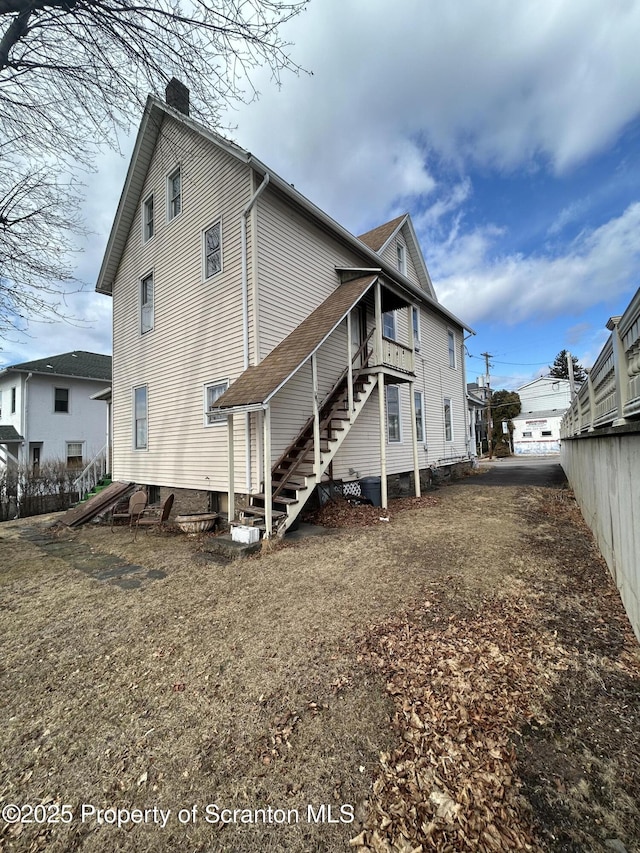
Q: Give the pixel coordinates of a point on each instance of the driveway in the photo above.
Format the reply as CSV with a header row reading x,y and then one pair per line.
x,y
521,471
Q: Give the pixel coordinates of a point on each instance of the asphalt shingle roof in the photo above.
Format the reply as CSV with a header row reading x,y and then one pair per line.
x,y
9,433
377,237
85,365
258,383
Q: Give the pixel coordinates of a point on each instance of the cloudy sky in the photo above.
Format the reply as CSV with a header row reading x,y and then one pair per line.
x,y
508,130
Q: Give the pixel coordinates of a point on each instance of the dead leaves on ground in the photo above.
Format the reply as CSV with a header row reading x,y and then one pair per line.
x,y
339,512
461,688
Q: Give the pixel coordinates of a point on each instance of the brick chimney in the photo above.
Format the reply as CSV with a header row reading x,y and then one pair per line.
x,y
177,96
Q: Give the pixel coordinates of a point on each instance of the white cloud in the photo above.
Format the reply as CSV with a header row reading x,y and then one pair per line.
x,y
599,264
488,82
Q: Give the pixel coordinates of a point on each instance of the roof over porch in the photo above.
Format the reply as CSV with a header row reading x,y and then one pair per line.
x,y
258,384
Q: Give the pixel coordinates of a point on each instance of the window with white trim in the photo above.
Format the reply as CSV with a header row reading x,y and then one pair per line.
x,y
211,393
61,400
140,422
174,194
448,420
389,325
419,403
148,219
451,341
415,319
74,454
146,304
393,414
13,400
212,247
401,258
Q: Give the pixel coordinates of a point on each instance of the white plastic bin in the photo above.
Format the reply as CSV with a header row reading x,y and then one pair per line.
x,y
246,535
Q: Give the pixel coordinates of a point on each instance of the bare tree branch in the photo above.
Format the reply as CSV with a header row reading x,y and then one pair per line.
x,y
73,74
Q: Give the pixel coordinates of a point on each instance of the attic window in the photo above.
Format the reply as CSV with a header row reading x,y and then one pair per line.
x,y
212,251
402,258
174,187
148,220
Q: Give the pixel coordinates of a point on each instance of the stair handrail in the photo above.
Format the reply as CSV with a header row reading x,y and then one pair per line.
x,y
83,479
328,397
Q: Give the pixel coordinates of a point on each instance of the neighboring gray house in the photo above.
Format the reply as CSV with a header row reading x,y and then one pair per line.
x,y
47,411
537,427
260,348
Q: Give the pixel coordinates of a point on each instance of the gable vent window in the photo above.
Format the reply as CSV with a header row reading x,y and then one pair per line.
x,y
175,194
402,258
212,251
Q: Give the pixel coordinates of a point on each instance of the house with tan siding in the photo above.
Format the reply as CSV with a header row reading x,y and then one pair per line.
x,y
260,349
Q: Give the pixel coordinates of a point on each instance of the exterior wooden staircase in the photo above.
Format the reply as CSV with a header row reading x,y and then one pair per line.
x,y
293,478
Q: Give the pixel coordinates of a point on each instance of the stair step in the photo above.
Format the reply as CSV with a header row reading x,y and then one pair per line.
x,y
279,500
260,511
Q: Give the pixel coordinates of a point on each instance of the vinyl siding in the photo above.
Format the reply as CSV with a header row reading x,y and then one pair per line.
x,y
296,268
197,334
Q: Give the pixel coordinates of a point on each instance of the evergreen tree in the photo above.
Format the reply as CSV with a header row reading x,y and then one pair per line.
x,y
560,369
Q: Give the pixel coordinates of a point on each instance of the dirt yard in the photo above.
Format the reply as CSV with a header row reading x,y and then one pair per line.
x,y
461,677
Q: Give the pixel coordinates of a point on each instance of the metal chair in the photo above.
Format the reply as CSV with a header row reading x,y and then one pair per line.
x,y
137,503
158,519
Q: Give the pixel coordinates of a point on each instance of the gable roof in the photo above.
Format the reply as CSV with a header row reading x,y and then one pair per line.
x,y
541,380
79,364
378,238
156,111
258,384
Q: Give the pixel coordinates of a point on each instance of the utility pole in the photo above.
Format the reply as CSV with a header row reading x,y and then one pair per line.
x,y
487,356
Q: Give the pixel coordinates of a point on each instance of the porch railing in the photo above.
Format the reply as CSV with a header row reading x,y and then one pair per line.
x,y
611,394
395,355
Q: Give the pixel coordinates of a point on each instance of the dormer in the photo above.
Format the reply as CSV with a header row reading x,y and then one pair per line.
x,y
396,242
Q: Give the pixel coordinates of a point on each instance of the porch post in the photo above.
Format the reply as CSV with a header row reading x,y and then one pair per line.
x,y
231,505
316,418
414,441
268,494
383,442
378,321
349,363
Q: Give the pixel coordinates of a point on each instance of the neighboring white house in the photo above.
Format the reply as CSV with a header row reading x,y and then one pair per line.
x,y
537,427
259,347
46,410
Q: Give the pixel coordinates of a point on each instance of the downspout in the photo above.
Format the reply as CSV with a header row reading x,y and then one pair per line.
x,y
245,317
